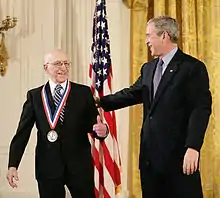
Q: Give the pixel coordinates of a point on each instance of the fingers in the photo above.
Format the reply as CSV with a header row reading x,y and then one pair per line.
x,y
190,163
99,127
97,101
196,165
189,167
99,119
11,176
11,182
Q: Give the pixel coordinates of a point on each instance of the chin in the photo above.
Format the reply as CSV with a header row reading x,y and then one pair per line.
x,y
61,80
152,54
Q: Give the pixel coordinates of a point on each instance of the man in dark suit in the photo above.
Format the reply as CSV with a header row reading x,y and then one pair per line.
x,y
174,90
64,113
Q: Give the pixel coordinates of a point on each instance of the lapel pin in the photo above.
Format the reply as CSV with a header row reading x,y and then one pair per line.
x,y
171,70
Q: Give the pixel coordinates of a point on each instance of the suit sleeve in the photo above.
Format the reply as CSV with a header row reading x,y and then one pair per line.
x,y
92,112
199,100
20,140
124,98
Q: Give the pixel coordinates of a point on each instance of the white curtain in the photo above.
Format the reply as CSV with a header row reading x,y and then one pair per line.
x,y
42,26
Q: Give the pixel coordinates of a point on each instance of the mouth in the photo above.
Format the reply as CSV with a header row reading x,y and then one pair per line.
x,y
61,73
150,47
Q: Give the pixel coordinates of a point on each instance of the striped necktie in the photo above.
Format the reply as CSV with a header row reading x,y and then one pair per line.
x,y
158,75
57,98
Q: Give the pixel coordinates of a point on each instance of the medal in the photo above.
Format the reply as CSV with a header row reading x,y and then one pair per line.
x,y
53,119
52,136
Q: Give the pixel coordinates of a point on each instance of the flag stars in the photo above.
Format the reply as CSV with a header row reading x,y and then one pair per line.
x,y
98,83
99,2
99,13
106,49
94,60
99,72
104,60
104,71
101,57
103,25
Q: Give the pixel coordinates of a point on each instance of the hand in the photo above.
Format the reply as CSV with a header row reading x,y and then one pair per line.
x,y
12,176
190,162
100,128
97,101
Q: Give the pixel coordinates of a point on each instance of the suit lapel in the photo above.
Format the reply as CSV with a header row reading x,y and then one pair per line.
x,y
50,98
149,77
69,101
168,75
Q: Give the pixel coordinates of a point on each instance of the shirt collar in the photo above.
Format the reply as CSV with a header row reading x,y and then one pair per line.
x,y
53,85
167,58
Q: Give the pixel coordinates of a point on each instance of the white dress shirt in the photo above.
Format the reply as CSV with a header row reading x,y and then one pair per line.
x,y
53,85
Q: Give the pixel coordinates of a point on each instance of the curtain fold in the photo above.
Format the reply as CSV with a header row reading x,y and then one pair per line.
x,y
199,36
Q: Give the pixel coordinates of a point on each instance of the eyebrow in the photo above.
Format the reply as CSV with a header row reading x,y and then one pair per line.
x,y
59,61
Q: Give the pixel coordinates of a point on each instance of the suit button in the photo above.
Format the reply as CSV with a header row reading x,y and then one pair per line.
x,y
151,118
147,163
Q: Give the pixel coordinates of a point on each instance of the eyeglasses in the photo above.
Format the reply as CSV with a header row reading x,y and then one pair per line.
x,y
61,63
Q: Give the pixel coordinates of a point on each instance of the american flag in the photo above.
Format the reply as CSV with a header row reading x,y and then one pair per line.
x,y
107,162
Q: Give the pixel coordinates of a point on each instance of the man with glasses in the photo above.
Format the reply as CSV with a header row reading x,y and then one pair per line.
x,y
64,113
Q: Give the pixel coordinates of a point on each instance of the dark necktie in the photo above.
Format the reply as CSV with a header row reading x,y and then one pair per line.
x,y
157,75
57,98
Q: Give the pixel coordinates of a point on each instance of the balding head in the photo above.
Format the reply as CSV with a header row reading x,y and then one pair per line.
x,y
56,65
55,55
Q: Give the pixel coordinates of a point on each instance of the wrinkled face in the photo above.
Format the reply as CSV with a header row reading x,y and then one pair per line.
x,y
153,41
56,65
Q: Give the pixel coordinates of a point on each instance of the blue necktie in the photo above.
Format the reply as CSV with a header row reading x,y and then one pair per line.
x,y
57,98
157,75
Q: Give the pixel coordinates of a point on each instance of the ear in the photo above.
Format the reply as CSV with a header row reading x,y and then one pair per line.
x,y
45,67
164,34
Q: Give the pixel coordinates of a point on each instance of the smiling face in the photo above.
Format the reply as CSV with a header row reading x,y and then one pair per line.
x,y
154,40
56,65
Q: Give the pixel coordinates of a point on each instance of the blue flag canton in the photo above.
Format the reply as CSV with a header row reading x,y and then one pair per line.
x,y
101,62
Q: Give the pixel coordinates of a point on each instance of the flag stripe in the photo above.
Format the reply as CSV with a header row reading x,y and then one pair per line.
x,y
106,155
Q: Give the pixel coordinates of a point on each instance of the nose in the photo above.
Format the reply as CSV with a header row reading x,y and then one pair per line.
x,y
146,41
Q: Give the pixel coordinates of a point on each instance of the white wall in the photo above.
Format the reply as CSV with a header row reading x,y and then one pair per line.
x,y
42,26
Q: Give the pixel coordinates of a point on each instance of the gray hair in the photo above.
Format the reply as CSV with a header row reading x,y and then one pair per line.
x,y
166,24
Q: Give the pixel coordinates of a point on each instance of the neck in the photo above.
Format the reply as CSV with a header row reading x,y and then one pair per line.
x,y
168,49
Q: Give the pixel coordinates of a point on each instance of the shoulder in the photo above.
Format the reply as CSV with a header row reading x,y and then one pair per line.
x,y
80,87
191,59
35,90
193,63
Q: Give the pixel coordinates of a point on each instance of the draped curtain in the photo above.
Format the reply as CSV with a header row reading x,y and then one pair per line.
x,y
199,36
44,25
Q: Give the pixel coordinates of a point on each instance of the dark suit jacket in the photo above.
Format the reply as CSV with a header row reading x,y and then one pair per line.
x,y
176,118
72,149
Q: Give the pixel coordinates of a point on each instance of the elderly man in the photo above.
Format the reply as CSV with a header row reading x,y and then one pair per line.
x,y
64,113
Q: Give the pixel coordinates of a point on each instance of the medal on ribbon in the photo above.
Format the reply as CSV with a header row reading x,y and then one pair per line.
x,y
52,135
